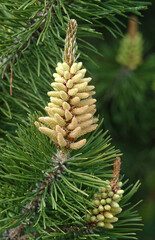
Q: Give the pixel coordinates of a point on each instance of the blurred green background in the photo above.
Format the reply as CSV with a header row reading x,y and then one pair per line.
x,y
125,98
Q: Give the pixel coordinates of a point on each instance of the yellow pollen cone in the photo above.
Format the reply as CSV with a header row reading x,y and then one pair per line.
x,y
65,66
56,101
78,144
85,80
89,88
88,101
52,105
59,80
59,86
82,95
88,129
80,86
75,100
73,91
61,130
50,133
63,95
55,75
83,117
69,84
53,94
80,110
68,115
82,71
59,120
59,70
49,121
73,124
75,133
77,78
66,106
62,142
74,68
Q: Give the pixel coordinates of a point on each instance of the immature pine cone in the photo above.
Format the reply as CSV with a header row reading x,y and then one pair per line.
x,y
131,47
105,202
106,206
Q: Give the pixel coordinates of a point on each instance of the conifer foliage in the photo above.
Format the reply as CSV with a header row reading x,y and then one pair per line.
x,y
32,35
58,182
48,185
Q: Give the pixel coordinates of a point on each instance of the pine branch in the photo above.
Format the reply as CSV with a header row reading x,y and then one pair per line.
x,y
48,190
20,178
24,177
36,19
30,37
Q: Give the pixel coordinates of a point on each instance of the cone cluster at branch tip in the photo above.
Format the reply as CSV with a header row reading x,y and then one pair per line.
x,y
106,206
71,107
131,48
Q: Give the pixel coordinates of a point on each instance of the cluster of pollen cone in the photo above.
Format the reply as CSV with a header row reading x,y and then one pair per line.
x,y
106,202
131,47
106,206
71,107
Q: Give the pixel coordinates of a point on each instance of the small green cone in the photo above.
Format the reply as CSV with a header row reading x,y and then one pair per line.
x,y
102,189
107,207
96,202
114,204
116,210
110,194
100,208
93,219
95,211
120,192
108,200
103,201
108,187
104,195
100,217
116,197
108,215
111,220
100,224
120,184
108,225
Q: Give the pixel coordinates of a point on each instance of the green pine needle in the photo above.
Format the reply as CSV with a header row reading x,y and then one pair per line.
x,y
27,161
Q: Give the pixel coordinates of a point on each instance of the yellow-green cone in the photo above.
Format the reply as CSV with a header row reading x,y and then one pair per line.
x,y
131,47
106,202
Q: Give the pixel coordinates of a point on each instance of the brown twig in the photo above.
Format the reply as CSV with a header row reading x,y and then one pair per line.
x,y
116,172
18,233
70,43
133,26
